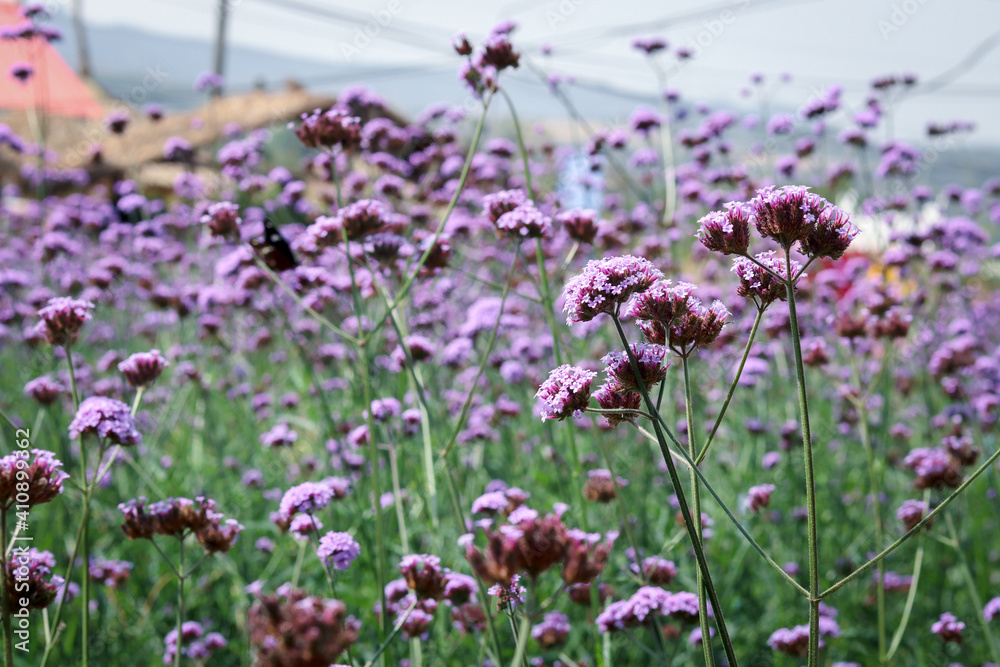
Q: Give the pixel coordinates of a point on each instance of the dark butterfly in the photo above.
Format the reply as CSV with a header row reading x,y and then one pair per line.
x,y
274,250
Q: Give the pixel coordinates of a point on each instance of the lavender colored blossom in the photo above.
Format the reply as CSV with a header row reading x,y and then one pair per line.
x,y
566,393
651,360
726,232
759,497
338,550
948,628
28,482
306,498
552,631
62,320
143,368
106,418
606,284
992,609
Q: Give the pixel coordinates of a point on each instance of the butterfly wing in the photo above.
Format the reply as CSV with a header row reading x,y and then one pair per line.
x,y
274,250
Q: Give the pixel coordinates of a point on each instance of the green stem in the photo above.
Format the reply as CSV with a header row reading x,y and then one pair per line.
x,y
675,481
732,387
392,635
84,525
800,381
913,531
911,597
706,636
970,582
180,603
8,632
50,639
398,497
866,441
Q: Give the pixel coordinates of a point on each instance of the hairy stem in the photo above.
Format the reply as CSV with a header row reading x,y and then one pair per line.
x,y
800,381
675,481
706,636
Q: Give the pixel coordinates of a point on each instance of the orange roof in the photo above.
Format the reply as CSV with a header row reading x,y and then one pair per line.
x,y
54,88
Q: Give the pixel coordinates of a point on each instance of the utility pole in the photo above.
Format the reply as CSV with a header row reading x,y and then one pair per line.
x,y
220,43
83,53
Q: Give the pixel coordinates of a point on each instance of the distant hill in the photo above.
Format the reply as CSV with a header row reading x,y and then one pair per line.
x,y
178,61
409,89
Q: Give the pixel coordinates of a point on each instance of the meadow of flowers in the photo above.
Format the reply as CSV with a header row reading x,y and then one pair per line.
x,y
740,412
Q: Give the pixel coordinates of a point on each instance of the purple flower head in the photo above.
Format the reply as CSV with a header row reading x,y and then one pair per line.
x,y
831,235
525,222
788,214
338,550
280,435
911,512
643,120
580,224
610,397
208,82
566,393
44,390
726,232
143,368
498,53
178,149
948,628
652,363
117,121
759,285
304,525
497,204
22,71
649,45
647,603
605,284
62,320
329,129
305,498
661,303
292,628
552,631
111,573
509,595
934,468
759,497
423,575
992,609
793,641
30,581
28,482
222,219
460,43
105,418
362,218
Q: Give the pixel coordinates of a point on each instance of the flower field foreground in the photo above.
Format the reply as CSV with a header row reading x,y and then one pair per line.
x,y
403,404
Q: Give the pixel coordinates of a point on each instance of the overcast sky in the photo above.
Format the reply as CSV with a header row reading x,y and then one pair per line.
x,y
818,42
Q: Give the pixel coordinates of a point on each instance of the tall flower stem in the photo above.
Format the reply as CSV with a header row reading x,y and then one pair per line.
x,y
916,529
180,603
732,388
8,633
675,481
706,636
977,602
800,381
866,441
82,533
911,597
